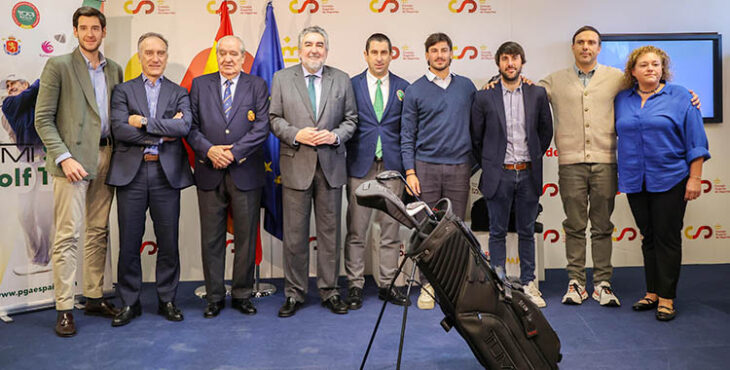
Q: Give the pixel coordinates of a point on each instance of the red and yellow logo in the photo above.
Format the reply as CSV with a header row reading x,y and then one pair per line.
x,y
469,52
213,8
458,6
628,233
26,15
147,5
11,45
379,6
297,8
704,232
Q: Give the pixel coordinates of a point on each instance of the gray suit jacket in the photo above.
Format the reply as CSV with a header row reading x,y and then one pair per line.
x,y
291,111
66,115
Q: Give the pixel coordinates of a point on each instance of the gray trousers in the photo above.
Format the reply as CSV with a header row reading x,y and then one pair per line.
x,y
297,210
213,221
444,181
588,191
358,221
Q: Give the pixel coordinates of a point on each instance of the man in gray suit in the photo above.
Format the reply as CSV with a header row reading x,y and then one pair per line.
x,y
149,167
313,112
72,119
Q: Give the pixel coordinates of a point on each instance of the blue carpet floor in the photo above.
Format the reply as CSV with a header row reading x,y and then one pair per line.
x,y
593,337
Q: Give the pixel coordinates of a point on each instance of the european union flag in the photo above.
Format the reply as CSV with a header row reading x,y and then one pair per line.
x,y
268,60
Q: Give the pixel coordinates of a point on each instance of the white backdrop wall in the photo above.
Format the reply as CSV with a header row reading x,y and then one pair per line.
x,y
543,28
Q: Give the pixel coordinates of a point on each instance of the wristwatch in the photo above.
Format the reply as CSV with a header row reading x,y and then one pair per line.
x,y
143,122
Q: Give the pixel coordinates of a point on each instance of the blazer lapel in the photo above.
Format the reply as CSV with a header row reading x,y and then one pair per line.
x,y
215,89
140,95
164,98
241,87
82,74
365,92
498,101
391,94
527,104
302,89
326,87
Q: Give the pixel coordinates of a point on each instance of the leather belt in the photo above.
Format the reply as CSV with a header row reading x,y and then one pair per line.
x,y
105,141
378,159
517,166
151,157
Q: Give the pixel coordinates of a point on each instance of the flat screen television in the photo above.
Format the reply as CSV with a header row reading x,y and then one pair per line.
x,y
695,62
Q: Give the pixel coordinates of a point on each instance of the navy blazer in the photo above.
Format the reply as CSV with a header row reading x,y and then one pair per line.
x,y
489,133
361,146
246,129
130,98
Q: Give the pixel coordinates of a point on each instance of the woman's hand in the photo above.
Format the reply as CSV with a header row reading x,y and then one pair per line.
x,y
694,188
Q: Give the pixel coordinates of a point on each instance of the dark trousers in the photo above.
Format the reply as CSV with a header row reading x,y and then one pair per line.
x,y
515,188
149,189
244,207
659,217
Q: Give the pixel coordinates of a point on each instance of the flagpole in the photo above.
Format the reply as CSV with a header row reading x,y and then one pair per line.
x,y
261,289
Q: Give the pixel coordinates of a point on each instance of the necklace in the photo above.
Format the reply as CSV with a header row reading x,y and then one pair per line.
x,y
648,92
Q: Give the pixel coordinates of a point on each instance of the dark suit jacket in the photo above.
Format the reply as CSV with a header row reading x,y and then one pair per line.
x,y
291,111
361,146
130,98
489,135
247,129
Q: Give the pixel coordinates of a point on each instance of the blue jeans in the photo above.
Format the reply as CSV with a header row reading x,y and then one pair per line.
x,y
515,188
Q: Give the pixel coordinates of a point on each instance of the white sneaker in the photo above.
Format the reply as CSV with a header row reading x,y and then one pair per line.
x,y
576,293
425,300
604,295
31,269
534,294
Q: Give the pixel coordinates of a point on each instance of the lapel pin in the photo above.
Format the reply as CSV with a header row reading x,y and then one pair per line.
x,y
251,116
400,95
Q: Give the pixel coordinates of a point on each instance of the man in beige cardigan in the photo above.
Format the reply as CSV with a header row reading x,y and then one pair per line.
x,y
72,119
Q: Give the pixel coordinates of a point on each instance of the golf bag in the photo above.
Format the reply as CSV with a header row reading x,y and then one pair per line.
x,y
503,328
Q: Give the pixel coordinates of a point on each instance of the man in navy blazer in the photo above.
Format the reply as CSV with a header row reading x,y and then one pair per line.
x,y
374,148
149,115
230,125
511,128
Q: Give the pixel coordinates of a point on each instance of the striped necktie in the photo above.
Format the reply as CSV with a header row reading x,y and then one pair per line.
x,y
227,100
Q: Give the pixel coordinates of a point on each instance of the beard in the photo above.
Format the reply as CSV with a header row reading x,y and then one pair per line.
x,y
93,50
507,78
447,65
313,65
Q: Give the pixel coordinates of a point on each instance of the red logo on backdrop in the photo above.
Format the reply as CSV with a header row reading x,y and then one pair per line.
x,y
470,52
552,187
151,244
230,243
312,4
551,235
464,3
142,4
11,46
47,47
627,232
707,186
395,52
703,231
313,239
213,8
376,8
551,152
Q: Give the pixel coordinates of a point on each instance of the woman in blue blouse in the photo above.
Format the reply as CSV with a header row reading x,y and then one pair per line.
x,y
661,148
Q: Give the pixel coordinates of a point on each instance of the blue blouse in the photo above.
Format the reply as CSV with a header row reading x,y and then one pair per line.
x,y
657,143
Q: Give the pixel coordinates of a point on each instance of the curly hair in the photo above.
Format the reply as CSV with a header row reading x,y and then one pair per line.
x,y
630,80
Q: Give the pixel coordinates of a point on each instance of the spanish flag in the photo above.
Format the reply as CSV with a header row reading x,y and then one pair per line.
x,y
211,64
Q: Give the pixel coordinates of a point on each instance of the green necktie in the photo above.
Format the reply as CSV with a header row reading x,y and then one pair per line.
x,y
312,95
378,107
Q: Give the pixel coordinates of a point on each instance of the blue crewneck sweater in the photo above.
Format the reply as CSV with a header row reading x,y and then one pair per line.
x,y
435,122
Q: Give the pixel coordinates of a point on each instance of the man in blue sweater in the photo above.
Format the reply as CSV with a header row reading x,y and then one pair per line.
x,y
435,140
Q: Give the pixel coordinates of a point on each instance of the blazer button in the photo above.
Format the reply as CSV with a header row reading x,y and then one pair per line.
x,y
228,131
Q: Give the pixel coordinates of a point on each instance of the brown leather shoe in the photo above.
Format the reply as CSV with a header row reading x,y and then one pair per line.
x,y
100,307
65,326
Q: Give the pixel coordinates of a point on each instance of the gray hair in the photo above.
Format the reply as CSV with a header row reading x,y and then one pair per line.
x,y
243,48
314,29
147,35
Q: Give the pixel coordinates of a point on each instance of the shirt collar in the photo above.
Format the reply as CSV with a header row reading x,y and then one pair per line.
x,y
372,79
234,80
432,76
146,79
318,73
102,60
506,91
581,73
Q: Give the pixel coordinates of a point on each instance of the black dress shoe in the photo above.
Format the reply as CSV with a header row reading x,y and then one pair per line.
x,y
65,326
394,296
290,307
127,314
336,305
664,313
244,305
645,304
354,298
100,307
213,309
169,311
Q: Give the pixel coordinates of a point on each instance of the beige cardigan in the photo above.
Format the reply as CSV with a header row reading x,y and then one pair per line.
x,y
584,122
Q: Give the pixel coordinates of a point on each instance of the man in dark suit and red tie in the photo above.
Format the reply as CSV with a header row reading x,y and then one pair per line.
x,y
230,125
511,129
149,116
374,148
